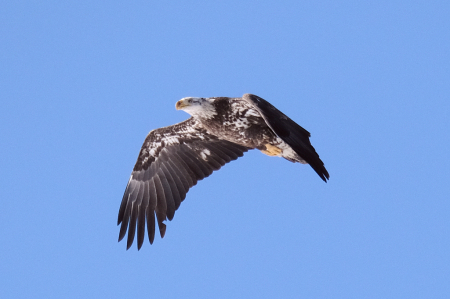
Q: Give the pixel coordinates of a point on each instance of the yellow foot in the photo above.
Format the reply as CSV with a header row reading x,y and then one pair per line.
x,y
271,150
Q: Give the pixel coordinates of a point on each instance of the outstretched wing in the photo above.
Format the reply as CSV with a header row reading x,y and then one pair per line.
x,y
171,160
291,133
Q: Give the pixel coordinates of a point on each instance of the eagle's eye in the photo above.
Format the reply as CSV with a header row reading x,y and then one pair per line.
x,y
189,101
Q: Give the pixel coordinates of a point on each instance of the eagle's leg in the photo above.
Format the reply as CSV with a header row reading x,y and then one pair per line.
x,y
271,150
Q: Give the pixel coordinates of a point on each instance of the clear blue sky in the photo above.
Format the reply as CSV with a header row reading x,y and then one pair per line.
x,y
83,82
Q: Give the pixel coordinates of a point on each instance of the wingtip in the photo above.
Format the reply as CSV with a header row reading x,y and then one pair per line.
x,y
162,230
121,235
130,240
325,176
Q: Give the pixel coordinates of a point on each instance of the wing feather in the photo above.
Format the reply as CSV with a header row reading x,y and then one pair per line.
x,y
141,216
124,226
184,168
150,211
192,164
177,173
291,133
171,161
161,205
168,196
132,224
229,153
130,186
172,186
222,157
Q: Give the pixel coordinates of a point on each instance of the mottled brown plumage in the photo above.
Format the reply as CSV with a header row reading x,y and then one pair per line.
x,y
174,158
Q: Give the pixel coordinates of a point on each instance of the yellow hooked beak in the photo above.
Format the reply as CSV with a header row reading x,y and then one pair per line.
x,y
181,104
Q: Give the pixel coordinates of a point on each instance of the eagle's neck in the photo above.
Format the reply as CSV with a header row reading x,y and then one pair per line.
x,y
206,110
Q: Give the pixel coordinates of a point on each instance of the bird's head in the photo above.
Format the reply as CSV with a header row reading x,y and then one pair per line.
x,y
197,107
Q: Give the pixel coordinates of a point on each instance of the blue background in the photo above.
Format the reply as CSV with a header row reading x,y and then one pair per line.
x,y
83,82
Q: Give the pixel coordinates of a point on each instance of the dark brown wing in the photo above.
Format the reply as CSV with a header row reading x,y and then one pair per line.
x,y
171,160
290,132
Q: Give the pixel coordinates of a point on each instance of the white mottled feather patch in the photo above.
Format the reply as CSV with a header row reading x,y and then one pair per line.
x,y
205,153
252,112
172,139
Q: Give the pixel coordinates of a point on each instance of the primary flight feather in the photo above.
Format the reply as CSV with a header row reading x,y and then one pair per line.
x,y
172,159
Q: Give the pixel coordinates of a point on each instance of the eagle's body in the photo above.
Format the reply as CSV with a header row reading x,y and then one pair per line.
x,y
238,122
172,159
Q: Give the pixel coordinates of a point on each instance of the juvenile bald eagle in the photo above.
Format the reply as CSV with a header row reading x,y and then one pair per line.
x,y
174,158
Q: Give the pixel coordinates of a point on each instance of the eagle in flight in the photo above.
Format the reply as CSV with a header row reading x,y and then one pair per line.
x,y
172,159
